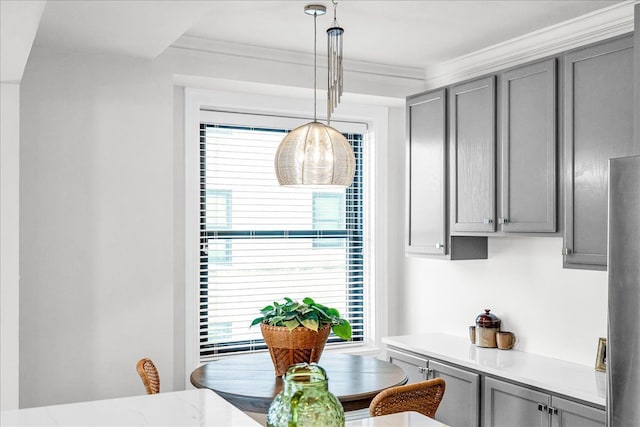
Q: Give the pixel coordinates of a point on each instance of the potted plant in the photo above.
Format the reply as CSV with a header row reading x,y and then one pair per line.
x,y
296,332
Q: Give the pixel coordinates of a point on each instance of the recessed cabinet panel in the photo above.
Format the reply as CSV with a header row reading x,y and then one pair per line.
x,y
460,405
426,174
598,126
414,367
472,127
570,414
528,105
508,405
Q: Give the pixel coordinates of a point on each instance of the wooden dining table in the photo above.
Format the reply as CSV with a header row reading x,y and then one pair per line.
x,y
248,381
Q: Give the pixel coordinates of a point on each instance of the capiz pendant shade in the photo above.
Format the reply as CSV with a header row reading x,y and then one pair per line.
x,y
315,154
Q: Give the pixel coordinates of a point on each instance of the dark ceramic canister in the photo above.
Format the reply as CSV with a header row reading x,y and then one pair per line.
x,y
487,325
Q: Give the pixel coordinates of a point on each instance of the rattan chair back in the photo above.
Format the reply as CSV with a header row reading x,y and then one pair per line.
x,y
149,375
423,397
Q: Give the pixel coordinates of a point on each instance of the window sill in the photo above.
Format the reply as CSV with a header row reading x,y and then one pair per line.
x,y
361,350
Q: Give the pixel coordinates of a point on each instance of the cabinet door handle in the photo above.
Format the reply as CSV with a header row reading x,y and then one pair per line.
x,y
439,246
542,407
552,410
487,221
503,220
422,369
566,251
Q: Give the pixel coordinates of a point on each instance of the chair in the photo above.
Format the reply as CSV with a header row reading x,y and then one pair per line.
x,y
149,375
423,397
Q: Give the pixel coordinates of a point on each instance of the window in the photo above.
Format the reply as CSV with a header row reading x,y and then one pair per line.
x,y
218,217
260,242
328,214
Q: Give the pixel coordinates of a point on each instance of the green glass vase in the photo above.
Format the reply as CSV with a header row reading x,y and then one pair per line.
x,y
305,400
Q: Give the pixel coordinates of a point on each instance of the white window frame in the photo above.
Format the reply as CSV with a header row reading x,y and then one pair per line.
x,y
375,208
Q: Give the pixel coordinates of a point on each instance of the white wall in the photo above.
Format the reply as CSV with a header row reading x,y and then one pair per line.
x,y
555,312
101,214
96,231
18,25
9,243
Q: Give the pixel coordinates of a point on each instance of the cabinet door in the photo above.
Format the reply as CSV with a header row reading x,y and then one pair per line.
x,y
508,405
472,126
529,148
426,174
414,367
460,406
598,114
571,414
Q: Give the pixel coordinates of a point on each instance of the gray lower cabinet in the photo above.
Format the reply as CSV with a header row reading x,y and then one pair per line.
x,y
528,135
460,406
598,125
472,127
415,367
509,405
571,414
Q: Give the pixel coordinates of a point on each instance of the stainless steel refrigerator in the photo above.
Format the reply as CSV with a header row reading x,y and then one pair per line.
x,y
623,342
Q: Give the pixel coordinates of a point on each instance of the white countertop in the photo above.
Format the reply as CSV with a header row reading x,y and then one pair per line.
x,y
406,419
181,408
556,376
200,407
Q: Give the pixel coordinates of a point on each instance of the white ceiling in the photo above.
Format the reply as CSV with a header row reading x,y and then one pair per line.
x,y
134,28
393,32
18,26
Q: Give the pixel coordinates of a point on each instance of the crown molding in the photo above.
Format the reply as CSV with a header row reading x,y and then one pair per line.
x,y
292,57
599,25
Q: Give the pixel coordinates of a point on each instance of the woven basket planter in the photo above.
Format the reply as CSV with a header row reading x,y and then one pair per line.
x,y
288,347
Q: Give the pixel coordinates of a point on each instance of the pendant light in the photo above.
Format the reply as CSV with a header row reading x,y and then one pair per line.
x,y
315,154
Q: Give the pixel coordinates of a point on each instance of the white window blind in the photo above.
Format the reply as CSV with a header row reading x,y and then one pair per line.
x,y
260,242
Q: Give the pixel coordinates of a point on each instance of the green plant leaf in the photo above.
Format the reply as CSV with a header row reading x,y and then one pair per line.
x,y
310,314
304,309
322,313
342,329
291,324
275,320
267,308
310,323
333,312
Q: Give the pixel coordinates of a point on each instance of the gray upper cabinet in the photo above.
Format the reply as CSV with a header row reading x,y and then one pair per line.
x,y
598,115
473,151
528,134
426,174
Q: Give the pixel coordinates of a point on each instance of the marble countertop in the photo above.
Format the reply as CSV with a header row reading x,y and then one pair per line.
x,y
181,408
407,419
200,407
576,381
